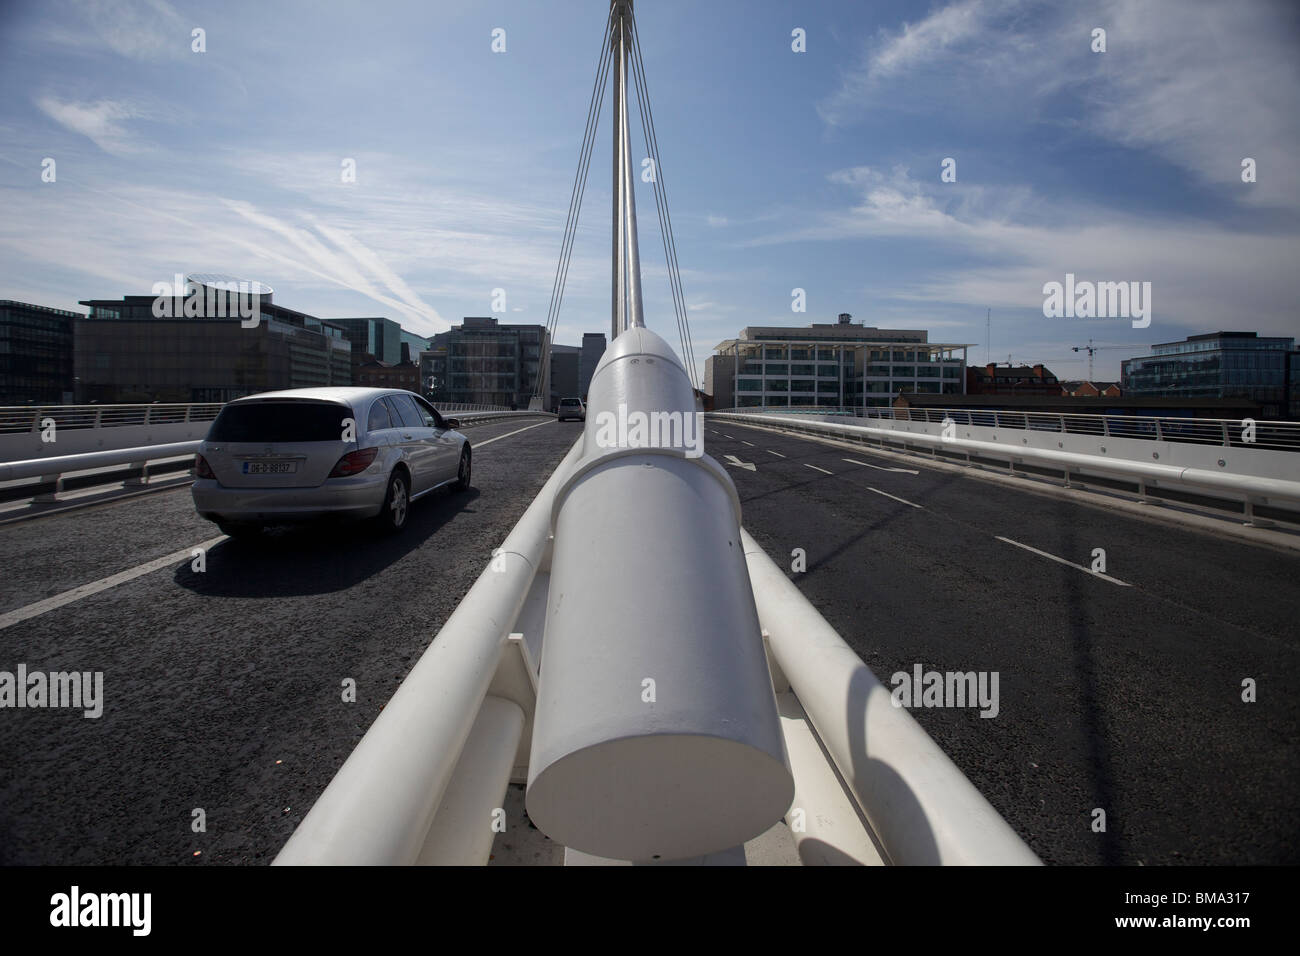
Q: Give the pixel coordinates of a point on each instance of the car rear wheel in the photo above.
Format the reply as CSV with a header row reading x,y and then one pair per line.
x,y
463,471
397,503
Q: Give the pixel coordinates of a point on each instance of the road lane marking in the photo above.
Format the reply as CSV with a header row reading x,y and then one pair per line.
x,y
895,497
777,453
867,464
480,444
733,460
1052,557
749,443
728,437
103,584
815,468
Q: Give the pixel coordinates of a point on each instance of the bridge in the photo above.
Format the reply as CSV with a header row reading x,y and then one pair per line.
x,y
833,637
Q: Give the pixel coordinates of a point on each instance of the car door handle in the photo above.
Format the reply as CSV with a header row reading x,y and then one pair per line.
x,y
406,436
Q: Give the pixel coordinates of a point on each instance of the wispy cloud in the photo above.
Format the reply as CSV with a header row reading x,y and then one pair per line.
x,y
99,121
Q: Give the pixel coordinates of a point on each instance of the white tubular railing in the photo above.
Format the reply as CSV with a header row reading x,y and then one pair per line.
x,y
1227,432
921,807
1202,480
55,468
15,419
380,806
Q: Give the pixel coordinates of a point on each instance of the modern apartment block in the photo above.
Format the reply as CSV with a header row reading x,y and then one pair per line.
x,y
125,353
490,363
36,347
844,364
1218,365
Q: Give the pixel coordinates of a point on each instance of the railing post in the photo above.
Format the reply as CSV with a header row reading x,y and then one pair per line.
x,y
49,496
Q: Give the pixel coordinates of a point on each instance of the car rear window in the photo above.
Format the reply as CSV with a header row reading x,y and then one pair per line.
x,y
280,422
570,401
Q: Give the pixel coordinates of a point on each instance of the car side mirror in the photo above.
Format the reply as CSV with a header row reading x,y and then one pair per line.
x,y
451,422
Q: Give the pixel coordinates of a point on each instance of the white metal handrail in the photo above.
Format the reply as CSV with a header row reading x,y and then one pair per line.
x,y
1250,488
1228,432
15,419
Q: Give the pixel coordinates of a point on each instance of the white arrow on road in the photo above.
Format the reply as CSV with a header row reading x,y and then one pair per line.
x,y
733,460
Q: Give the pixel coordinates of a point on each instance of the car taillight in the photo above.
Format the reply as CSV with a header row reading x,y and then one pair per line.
x,y
202,469
354,462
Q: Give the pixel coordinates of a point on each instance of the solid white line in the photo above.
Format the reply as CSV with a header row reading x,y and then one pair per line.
x,y
815,468
895,497
480,444
103,584
1095,574
777,453
867,464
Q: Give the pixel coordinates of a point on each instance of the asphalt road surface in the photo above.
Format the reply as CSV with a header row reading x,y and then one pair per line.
x,y
1123,695
223,690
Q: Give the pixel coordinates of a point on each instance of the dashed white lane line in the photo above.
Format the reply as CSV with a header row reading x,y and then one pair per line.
x,y
1052,557
103,584
777,453
749,443
480,444
815,468
895,497
867,464
728,437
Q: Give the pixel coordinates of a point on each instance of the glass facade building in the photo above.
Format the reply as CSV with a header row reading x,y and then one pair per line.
x,y
487,363
379,337
1217,365
36,354
842,364
123,354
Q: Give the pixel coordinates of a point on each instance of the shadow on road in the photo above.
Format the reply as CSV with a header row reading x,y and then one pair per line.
x,y
318,558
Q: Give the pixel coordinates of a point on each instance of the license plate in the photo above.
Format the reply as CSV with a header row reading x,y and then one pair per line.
x,y
270,467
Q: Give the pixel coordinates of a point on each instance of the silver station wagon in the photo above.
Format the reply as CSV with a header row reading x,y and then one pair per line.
x,y
312,453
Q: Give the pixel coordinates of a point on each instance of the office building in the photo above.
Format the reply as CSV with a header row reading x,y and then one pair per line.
x,y
1216,365
124,352
593,348
36,354
379,337
565,362
843,363
491,364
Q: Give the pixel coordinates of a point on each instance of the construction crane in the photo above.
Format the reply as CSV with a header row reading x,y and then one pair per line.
x,y
1093,349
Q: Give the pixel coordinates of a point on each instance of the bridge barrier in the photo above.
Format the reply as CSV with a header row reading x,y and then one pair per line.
x,y
1255,476
382,805
86,428
53,469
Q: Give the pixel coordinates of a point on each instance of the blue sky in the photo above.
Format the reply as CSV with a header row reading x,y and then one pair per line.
x,y
817,170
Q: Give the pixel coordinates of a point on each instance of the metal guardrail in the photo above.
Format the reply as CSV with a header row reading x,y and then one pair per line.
x,y
16,419
1227,432
1252,490
55,468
